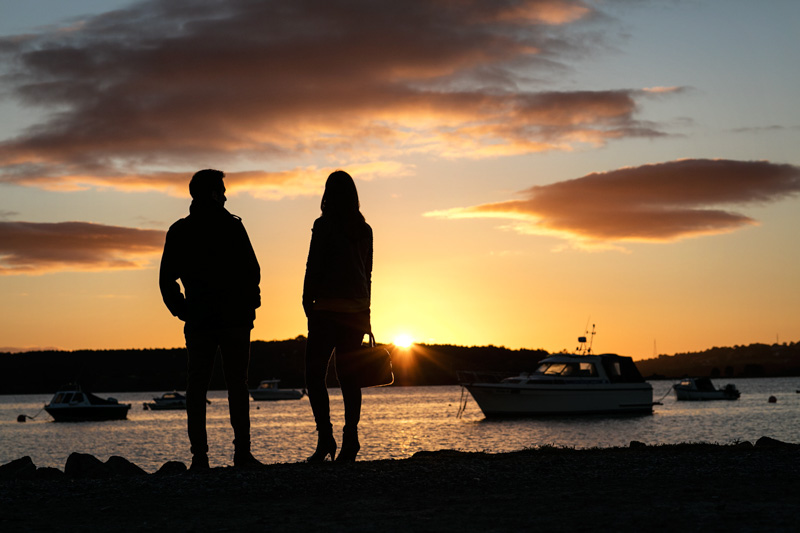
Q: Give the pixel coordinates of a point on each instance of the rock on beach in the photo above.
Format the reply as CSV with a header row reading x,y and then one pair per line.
x,y
686,487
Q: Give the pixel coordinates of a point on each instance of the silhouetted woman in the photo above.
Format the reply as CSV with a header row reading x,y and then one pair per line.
x,y
336,300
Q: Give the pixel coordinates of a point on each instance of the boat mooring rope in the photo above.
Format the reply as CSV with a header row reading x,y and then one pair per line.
x,y
665,395
462,404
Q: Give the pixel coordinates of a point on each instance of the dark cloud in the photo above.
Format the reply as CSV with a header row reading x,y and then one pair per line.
x,y
36,247
166,82
651,203
765,129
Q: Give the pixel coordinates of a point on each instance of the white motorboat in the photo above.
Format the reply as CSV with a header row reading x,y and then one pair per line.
x,y
701,389
565,384
167,401
268,390
71,404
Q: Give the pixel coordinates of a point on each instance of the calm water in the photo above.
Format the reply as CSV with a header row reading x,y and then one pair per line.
x,y
396,423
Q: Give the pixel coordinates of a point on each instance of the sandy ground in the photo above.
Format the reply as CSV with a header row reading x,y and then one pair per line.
x,y
677,488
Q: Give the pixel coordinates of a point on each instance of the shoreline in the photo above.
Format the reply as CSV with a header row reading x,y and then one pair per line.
x,y
690,487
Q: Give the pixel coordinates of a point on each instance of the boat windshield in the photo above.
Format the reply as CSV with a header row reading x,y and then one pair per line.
x,y
567,369
704,384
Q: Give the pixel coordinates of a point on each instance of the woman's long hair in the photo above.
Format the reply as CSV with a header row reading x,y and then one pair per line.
x,y
340,203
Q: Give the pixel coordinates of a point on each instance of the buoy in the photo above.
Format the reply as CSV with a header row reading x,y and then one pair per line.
x,y
773,399
21,418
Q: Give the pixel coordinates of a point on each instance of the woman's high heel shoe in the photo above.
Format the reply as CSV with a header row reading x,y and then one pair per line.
x,y
326,445
350,447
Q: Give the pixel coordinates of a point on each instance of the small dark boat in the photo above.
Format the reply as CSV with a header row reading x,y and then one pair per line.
x,y
167,401
702,389
71,404
268,390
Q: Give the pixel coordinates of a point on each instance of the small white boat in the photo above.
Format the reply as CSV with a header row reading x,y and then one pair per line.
x,y
700,389
268,390
167,401
71,404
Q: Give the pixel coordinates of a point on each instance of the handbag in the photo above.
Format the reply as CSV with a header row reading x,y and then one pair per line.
x,y
369,366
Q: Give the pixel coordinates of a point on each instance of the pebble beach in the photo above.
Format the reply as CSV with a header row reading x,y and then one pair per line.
x,y
685,487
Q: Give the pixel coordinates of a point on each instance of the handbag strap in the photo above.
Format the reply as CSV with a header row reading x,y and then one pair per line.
x,y
372,342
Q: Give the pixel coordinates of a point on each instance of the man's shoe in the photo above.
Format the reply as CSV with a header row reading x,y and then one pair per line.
x,y
246,460
199,462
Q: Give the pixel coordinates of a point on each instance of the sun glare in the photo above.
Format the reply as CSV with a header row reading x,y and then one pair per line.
x,y
403,341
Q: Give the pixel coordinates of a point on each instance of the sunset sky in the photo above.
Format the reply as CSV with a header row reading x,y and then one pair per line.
x,y
528,167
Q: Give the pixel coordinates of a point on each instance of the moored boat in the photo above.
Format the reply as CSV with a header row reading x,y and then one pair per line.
x,y
702,389
168,401
268,390
566,384
582,383
71,404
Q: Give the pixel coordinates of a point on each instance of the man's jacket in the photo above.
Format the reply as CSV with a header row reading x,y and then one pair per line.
x,y
210,252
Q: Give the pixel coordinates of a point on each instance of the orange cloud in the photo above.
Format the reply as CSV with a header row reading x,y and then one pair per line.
x,y
549,12
37,248
652,203
268,185
168,83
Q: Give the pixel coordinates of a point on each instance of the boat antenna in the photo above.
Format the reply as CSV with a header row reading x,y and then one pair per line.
x,y
582,349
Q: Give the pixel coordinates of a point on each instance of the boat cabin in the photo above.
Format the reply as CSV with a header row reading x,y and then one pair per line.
x,y
700,384
79,397
67,398
567,369
606,367
173,396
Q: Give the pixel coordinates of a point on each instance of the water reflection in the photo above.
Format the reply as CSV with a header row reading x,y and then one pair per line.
x,y
397,422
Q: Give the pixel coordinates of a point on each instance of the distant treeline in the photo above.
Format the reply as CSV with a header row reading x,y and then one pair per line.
x,y
754,360
165,369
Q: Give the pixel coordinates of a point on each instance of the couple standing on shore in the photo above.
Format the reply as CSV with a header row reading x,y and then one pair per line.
x,y
210,252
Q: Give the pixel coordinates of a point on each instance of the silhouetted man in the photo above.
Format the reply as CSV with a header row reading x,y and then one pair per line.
x,y
210,252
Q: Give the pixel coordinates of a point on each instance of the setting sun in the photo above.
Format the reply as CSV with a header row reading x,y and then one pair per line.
x,y
403,341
